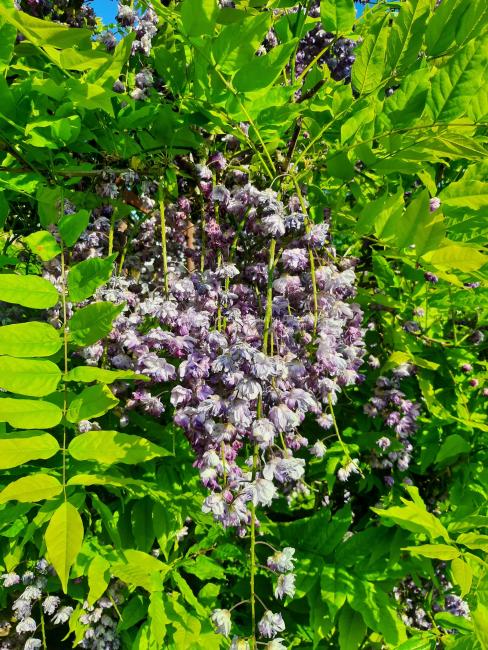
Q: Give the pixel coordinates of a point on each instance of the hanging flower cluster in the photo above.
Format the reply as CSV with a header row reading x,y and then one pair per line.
x,y
253,327
399,414
30,590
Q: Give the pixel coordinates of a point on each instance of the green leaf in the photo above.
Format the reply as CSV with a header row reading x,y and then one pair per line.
x,y
352,629
29,413
4,206
142,525
115,481
453,446
377,611
198,16
414,518
8,35
448,620
407,103
188,594
456,82
29,489
377,213
139,569
407,34
43,244
49,204
92,323
29,340
368,68
456,256
21,447
337,16
474,541
43,32
418,642
85,278
64,537
335,584
98,578
29,376
263,70
135,610
462,575
417,226
453,23
465,205
157,616
480,622
230,53
92,402
71,226
436,551
88,374
108,447
204,568
28,291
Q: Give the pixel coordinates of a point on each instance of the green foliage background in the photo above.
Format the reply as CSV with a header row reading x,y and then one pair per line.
x,y
98,512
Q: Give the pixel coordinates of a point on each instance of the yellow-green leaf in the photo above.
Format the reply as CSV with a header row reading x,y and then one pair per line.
x,y
139,569
84,278
32,377
462,575
43,244
92,402
457,256
64,537
23,446
367,70
436,551
29,340
109,447
88,374
98,578
28,291
29,413
29,489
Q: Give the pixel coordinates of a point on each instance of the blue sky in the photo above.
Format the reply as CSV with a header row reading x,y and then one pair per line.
x,y
107,9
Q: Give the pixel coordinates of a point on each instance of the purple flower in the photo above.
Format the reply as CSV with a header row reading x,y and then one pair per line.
x,y
271,624
383,443
27,624
263,432
282,561
431,277
10,579
50,604
295,259
318,449
62,615
285,586
434,204
283,418
273,225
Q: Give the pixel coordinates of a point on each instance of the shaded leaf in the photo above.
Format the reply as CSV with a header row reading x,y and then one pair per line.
x,y
92,402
